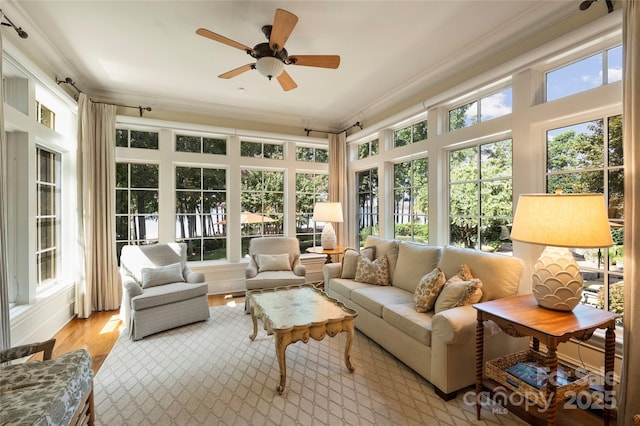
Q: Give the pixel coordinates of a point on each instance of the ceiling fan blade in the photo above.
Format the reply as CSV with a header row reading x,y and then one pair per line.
x,y
286,81
322,61
283,24
237,71
222,39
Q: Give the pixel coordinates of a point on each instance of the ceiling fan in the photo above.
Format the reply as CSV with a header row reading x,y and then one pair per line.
x,y
271,56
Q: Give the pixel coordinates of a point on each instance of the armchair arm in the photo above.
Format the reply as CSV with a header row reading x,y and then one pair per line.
x,y
298,268
26,350
193,277
252,268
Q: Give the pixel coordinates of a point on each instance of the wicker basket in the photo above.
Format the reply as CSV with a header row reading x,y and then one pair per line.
x,y
497,370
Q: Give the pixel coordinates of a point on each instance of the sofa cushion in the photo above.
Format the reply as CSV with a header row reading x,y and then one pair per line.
x,y
414,261
273,262
405,318
169,293
384,246
459,293
428,290
350,261
500,274
374,298
372,272
344,287
161,275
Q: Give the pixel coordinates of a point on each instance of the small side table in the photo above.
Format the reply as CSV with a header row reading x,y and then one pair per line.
x,y
328,252
521,316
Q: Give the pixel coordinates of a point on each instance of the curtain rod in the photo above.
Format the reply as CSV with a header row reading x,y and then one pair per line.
x,y
357,124
72,83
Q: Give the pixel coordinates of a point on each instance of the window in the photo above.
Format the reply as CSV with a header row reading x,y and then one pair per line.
x,y
261,150
201,145
588,157
411,200
45,116
47,216
367,213
262,204
136,204
368,149
484,109
411,134
312,154
136,139
588,73
201,212
310,189
480,197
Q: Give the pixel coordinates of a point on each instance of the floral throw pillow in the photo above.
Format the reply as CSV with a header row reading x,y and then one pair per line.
x,y
428,289
459,293
372,271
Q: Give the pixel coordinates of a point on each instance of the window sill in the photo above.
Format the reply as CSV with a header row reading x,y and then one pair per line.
x,y
18,310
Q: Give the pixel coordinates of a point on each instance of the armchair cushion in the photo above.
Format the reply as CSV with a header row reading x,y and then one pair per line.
x,y
273,262
161,275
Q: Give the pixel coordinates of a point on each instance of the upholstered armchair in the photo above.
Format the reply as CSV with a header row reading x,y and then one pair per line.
x,y
160,291
55,391
274,262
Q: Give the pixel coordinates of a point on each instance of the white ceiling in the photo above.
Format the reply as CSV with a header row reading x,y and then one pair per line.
x,y
147,52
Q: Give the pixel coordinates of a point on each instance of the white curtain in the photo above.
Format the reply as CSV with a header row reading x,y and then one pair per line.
x,y
629,401
338,180
5,330
99,286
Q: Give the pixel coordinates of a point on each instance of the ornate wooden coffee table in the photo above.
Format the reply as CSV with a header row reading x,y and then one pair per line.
x,y
296,313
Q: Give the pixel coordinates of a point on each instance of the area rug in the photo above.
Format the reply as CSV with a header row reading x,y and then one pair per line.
x,y
211,373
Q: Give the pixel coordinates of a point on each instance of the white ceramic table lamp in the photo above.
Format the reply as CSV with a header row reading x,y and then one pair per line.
x,y
327,213
559,222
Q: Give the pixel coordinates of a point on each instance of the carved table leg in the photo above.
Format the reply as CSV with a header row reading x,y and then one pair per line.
x,y
282,341
255,325
609,355
347,349
479,358
552,394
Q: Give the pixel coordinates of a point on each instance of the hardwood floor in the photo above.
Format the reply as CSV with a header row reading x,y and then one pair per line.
x,y
98,333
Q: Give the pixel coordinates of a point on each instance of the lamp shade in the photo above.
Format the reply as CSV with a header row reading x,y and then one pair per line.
x,y
562,220
327,212
270,66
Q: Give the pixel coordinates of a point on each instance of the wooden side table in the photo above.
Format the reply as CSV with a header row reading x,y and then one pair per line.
x,y
521,316
338,250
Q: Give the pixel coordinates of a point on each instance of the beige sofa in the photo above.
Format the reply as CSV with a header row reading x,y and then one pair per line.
x,y
440,347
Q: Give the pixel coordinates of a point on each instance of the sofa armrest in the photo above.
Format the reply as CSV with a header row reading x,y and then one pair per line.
x,y
456,325
298,268
331,270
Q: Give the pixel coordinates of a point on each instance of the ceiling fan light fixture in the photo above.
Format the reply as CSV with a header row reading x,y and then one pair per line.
x,y
270,67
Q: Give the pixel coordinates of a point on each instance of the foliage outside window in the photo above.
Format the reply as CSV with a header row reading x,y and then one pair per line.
x,y
136,139
201,212
588,73
262,204
588,158
483,109
411,200
136,204
312,154
368,149
367,215
45,116
201,145
261,150
410,134
310,189
480,196
47,215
